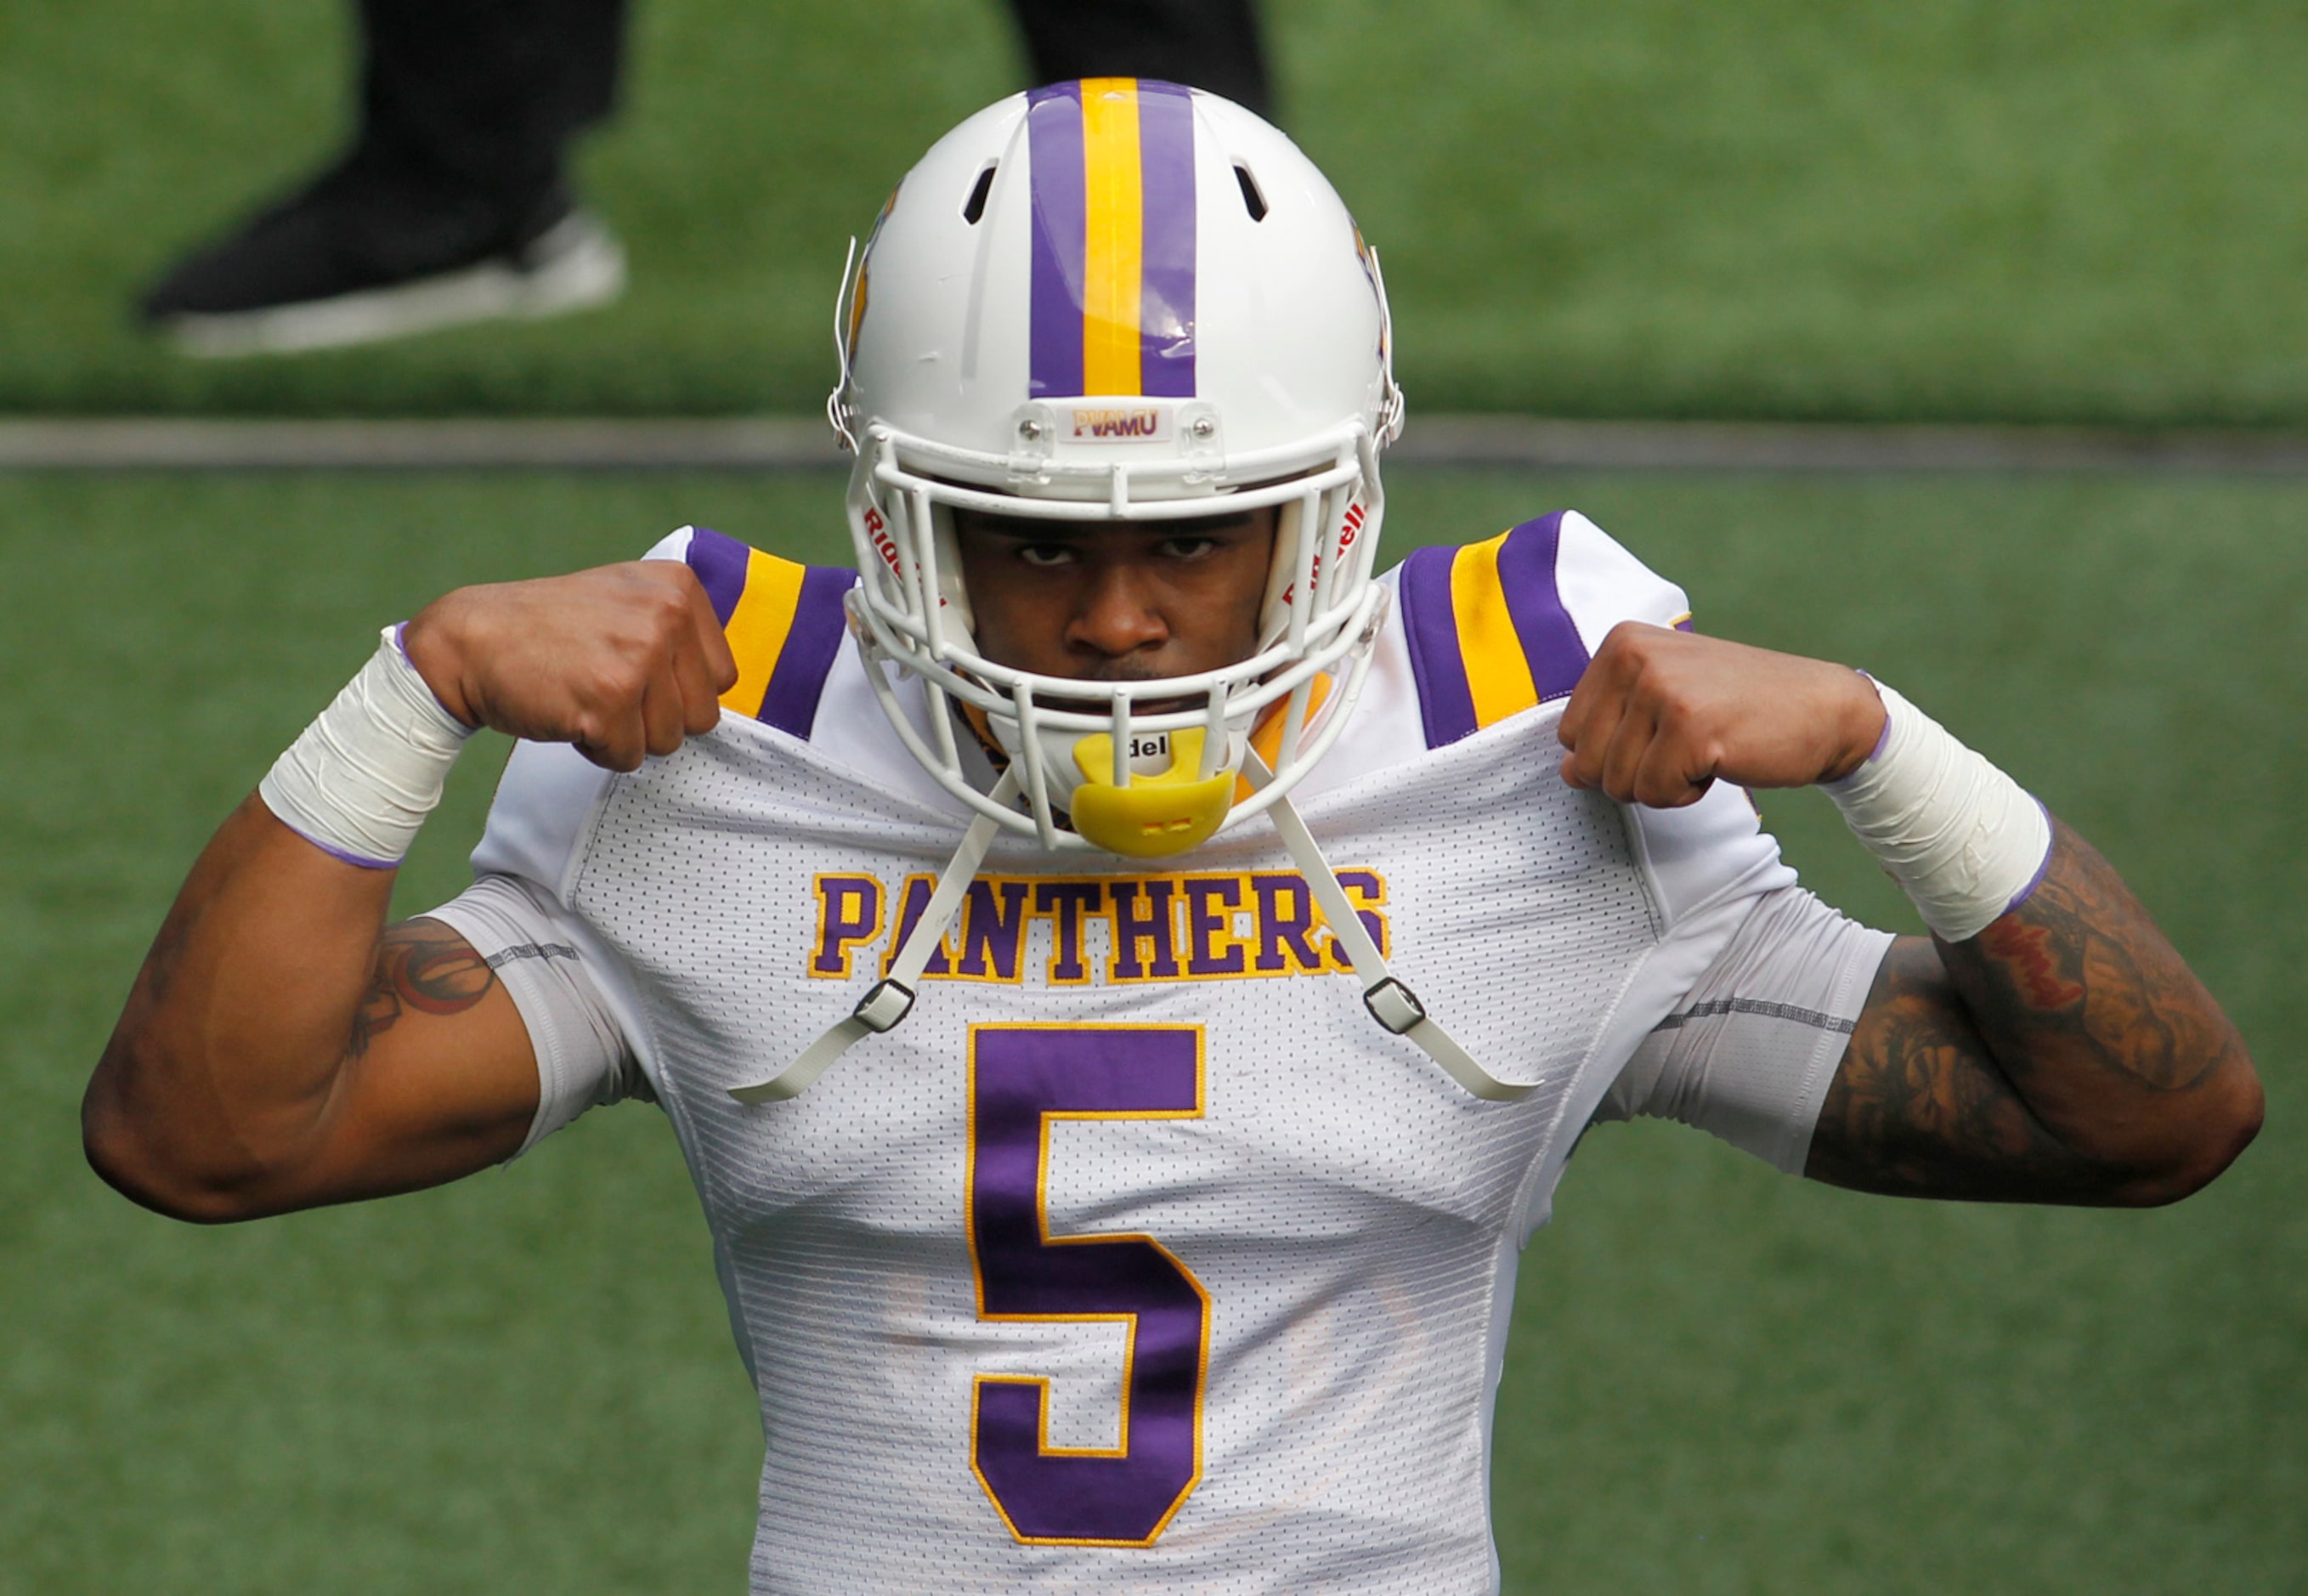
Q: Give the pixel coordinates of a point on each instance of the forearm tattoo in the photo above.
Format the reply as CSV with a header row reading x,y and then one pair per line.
x,y
1920,1107
422,965
1993,1068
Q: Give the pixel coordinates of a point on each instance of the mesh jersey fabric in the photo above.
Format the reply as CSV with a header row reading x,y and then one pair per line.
x,y
1138,1257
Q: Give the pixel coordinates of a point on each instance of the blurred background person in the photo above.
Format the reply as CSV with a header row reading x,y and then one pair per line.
x,y
455,202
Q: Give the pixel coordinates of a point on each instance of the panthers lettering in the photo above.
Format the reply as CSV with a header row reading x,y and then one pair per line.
x,y
1111,930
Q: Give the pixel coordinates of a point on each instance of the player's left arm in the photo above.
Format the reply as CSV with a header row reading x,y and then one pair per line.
x,y
2064,1053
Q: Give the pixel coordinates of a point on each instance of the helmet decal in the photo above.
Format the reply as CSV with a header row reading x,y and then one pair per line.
x,y
1113,306
1370,270
858,297
865,267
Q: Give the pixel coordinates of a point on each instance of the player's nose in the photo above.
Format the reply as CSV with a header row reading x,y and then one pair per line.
x,y
1117,614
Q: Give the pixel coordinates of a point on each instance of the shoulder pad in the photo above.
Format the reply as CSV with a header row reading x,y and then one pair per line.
x,y
784,623
1502,626
1488,635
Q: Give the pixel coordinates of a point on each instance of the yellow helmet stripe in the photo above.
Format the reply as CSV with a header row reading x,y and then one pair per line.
x,y
1114,241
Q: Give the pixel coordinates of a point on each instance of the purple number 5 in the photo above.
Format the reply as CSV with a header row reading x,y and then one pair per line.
x,y
1021,1077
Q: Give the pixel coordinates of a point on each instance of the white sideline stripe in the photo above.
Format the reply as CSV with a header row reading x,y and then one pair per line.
x,y
791,443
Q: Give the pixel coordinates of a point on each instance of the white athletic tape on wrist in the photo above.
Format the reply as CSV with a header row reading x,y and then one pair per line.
x,y
1963,840
364,775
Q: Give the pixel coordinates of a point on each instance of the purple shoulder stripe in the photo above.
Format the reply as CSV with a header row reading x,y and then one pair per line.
x,y
1551,644
719,563
1445,704
812,644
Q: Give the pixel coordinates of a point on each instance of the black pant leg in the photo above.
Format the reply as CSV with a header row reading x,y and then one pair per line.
x,y
485,95
1209,44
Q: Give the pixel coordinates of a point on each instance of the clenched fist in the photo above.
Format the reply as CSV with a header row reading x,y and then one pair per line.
x,y
622,660
1659,715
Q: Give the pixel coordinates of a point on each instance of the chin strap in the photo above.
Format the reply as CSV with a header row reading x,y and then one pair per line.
x,y
1392,1004
892,999
1395,1007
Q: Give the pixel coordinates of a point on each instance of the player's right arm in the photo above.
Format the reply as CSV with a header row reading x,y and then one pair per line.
x,y
282,1048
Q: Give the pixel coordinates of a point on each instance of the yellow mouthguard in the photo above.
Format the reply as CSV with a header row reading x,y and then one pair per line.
x,y
1154,816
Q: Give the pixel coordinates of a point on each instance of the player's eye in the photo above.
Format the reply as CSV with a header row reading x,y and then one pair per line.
x,y
1046,554
1189,547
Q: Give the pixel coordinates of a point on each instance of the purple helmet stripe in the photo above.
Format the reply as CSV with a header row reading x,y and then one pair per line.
x,y
1166,318
1054,139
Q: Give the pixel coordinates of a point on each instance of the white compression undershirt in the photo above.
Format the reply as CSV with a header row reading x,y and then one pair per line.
x,y
582,1061
1749,1053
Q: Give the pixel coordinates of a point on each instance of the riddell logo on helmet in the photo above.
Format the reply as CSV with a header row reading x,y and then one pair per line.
x,y
1349,531
1148,425
877,534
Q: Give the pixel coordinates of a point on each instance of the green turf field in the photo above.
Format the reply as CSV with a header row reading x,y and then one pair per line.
x,y
1722,1381
2025,209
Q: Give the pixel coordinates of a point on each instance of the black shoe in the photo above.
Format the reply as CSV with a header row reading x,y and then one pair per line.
x,y
367,254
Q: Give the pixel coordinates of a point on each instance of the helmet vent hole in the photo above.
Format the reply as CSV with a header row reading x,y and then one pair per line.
x,y
974,206
1253,200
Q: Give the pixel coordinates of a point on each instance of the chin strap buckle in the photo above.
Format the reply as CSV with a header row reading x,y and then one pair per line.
x,y
884,1006
892,999
1394,1005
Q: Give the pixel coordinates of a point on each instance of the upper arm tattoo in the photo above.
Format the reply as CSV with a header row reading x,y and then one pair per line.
x,y
422,965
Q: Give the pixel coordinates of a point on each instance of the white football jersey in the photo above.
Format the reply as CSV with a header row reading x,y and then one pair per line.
x,y
1139,1257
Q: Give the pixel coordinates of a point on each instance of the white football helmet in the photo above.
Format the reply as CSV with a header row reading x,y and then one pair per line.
x,y
1117,299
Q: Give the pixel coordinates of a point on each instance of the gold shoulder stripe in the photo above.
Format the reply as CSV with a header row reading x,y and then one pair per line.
x,y
759,626
1498,672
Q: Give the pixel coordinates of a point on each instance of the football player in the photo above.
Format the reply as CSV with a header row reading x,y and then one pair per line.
x,y
1212,947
